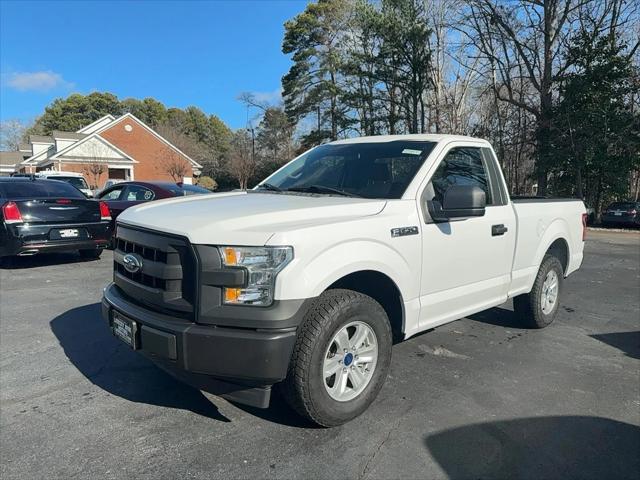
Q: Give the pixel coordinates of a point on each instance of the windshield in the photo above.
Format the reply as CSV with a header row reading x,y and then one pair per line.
x,y
175,190
194,190
77,182
369,170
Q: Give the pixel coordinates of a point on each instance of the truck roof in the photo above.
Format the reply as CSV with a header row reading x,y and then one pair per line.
x,y
415,137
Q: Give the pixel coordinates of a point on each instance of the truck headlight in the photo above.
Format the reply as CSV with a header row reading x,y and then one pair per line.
x,y
262,265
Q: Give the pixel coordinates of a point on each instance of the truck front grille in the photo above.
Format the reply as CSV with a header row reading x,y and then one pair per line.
x,y
149,253
166,280
142,278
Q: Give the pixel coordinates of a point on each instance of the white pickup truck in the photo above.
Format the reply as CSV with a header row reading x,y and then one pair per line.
x,y
306,280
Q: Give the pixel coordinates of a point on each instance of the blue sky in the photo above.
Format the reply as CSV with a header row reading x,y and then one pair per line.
x,y
181,53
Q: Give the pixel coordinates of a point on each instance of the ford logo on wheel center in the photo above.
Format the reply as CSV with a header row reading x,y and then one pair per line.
x,y
132,263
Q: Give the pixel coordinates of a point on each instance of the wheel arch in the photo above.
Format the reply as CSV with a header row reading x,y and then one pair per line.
x,y
559,248
557,241
382,289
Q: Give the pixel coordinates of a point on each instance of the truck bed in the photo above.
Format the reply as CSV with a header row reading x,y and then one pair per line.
x,y
540,221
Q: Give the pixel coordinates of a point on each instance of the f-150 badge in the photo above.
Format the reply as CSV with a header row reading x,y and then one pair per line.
x,y
404,231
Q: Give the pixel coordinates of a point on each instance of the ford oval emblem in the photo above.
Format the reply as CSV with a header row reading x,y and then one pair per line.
x,y
132,263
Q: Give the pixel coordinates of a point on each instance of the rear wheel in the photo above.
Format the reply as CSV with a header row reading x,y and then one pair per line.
x,y
539,308
341,358
90,254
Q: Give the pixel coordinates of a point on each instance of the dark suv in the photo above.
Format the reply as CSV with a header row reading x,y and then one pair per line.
x,y
622,214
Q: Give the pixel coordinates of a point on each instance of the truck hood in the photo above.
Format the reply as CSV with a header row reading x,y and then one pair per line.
x,y
241,218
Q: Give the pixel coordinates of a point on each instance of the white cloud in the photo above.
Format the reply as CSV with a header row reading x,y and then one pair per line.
x,y
269,98
36,81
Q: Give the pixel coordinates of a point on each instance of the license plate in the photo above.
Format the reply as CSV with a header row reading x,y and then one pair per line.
x,y
617,214
69,233
125,329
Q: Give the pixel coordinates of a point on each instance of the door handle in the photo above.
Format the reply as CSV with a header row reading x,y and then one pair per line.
x,y
497,230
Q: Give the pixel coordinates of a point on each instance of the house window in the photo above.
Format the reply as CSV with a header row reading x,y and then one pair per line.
x,y
117,174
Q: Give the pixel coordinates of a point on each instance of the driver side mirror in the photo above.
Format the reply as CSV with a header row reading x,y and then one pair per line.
x,y
459,201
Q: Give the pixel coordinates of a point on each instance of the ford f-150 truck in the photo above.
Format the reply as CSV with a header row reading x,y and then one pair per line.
x,y
308,279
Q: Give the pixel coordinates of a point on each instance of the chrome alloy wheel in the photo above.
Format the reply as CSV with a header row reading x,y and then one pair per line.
x,y
549,295
350,361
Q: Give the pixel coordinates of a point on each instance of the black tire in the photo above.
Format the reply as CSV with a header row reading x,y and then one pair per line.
x,y
90,254
304,387
528,307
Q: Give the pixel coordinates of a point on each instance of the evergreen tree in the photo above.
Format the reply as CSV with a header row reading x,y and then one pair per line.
x,y
597,133
312,87
149,110
76,111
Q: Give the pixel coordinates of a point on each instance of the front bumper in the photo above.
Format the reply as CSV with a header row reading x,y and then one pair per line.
x,y
240,364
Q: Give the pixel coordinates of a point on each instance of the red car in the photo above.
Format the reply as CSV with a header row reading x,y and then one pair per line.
x,y
123,195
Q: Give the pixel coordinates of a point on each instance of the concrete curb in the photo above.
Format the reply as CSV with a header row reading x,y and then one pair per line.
x,y
612,230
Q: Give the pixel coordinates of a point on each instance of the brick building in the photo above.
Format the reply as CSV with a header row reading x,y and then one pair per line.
x,y
122,148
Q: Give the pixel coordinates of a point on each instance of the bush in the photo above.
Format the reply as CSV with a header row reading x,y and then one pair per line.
x,y
207,182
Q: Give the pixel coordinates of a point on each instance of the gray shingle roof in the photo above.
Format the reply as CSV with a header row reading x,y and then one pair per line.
x,y
10,158
68,135
25,147
41,139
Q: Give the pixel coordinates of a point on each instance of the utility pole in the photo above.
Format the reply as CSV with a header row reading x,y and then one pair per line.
x,y
253,145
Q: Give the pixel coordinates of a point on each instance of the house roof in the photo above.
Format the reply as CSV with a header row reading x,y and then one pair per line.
x,y
152,131
68,135
41,139
101,119
83,137
10,158
33,158
87,138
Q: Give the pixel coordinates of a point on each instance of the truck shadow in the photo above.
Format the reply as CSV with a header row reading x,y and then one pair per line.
x,y
40,260
499,316
279,412
627,342
112,366
541,447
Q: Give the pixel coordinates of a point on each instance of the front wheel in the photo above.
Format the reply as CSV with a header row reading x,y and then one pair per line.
x,y
539,308
341,358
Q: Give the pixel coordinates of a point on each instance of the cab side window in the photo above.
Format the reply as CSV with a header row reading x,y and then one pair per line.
x,y
461,166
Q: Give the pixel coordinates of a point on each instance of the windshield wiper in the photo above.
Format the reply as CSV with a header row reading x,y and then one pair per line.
x,y
321,189
269,186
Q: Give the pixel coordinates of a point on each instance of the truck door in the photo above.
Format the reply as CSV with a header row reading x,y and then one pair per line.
x,y
466,262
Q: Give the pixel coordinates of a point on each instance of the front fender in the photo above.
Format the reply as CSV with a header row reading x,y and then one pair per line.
x,y
309,279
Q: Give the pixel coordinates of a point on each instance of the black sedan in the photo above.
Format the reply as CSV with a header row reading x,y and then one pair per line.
x,y
50,216
623,214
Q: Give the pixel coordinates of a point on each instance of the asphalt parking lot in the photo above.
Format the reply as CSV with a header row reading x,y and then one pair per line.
x,y
478,398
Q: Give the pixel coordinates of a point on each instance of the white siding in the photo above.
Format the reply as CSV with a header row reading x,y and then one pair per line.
x,y
40,147
62,143
94,150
